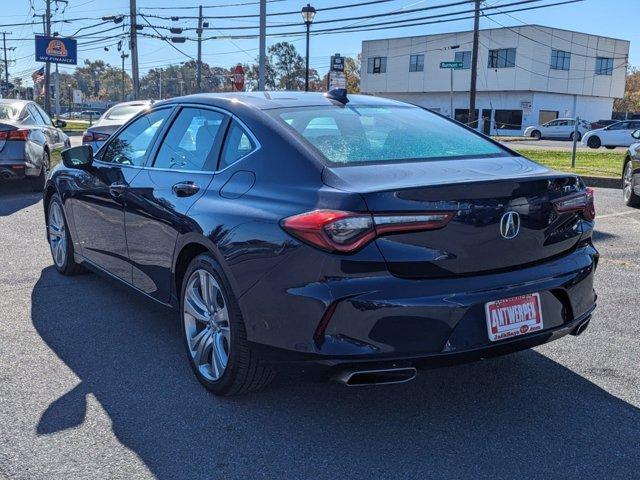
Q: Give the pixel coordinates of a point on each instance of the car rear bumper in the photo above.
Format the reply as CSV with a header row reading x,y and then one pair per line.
x,y
386,320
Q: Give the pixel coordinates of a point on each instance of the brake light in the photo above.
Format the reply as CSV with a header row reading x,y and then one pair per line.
x,y
89,137
347,232
578,202
14,135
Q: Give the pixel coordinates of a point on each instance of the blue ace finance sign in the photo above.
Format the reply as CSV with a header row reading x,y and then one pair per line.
x,y
56,50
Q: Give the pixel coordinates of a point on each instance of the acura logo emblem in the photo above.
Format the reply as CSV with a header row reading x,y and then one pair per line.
x,y
510,225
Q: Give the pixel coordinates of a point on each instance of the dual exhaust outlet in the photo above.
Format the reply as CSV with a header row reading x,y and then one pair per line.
x,y
383,376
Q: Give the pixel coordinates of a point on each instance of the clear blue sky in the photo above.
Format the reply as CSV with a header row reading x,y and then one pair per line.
x,y
614,18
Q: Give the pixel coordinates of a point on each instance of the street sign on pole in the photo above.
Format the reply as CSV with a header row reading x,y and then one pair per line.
x,y
451,66
454,65
238,78
337,63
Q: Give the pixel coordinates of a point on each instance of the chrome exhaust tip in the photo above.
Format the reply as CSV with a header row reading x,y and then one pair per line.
x,y
581,327
384,376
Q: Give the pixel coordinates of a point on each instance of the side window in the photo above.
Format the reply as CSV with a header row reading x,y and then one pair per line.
x,y
192,142
45,117
552,124
237,145
26,118
619,126
35,115
132,144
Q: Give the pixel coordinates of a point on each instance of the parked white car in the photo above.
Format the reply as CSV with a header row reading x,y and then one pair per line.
x,y
558,128
616,135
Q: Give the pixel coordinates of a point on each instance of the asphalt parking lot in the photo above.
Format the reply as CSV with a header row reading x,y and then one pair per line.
x,y
94,384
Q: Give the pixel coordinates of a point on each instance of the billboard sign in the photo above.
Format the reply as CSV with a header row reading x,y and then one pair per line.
x,y
56,50
337,80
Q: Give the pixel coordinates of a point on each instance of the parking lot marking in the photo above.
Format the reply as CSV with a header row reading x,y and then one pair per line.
x,y
618,214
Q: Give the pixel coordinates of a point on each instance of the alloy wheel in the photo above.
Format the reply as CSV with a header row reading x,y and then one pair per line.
x,y
57,234
627,182
206,324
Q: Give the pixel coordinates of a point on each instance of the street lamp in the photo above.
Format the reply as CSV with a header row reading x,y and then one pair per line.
x,y
123,56
308,14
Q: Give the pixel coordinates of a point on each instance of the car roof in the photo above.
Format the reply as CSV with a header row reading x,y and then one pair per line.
x,y
280,99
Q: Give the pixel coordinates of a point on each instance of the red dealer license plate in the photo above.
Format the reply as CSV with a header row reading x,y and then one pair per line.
x,y
514,316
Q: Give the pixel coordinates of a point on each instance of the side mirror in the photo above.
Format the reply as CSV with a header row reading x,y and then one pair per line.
x,y
636,134
60,123
78,157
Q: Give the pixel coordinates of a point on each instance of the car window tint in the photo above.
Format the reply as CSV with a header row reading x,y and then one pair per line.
x,y
37,119
131,146
369,134
191,141
619,126
237,145
45,117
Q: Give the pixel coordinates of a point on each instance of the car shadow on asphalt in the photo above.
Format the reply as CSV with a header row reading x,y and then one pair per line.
x,y
522,415
15,196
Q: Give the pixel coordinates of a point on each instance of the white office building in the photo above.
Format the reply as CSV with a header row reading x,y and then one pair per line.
x,y
526,75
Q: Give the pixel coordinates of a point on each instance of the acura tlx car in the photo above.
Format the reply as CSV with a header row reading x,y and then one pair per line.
x,y
351,237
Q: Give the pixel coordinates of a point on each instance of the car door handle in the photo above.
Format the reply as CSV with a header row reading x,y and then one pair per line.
x,y
185,189
117,189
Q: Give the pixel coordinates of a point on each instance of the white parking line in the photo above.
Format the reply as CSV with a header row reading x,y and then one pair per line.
x,y
618,214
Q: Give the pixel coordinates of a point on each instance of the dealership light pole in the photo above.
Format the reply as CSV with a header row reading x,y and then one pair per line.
x,y
308,14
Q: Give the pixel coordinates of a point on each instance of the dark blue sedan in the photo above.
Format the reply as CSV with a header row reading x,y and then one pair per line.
x,y
351,237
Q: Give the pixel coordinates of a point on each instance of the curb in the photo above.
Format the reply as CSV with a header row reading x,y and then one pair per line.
x,y
602,182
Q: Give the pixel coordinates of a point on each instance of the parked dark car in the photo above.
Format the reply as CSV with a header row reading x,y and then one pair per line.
x,y
353,237
28,142
631,173
602,124
111,121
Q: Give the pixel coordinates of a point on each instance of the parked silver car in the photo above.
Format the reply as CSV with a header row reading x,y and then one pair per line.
x,y
111,121
28,141
560,128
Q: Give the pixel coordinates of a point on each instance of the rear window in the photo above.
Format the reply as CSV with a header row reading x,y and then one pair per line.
x,y
124,112
360,134
9,112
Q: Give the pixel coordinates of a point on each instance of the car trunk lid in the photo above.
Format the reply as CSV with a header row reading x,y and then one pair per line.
x,y
503,213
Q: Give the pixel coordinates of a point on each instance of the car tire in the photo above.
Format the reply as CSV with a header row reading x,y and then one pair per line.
x,y
628,184
609,147
59,239
536,135
214,333
594,142
37,183
578,138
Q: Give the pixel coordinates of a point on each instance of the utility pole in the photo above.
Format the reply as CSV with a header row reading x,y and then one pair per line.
x,y
123,56
199,32
474,67
47,68
56,88
133,45
6,62
160,85
262,67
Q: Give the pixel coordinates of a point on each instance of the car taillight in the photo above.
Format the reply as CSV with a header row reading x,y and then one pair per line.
x,y
89,137
578,202
346,232
14,135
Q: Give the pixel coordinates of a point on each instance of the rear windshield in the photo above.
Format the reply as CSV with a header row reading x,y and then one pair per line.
x,y
9,112
124,112
360,134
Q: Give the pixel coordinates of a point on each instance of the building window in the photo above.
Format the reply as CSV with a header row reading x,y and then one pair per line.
x,y
502,58
508,119
377,65
416,63
464,57
604,66
462,116
560,60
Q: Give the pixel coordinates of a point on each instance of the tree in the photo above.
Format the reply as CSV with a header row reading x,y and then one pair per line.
x,y
352,71
88,77
631,100
111,84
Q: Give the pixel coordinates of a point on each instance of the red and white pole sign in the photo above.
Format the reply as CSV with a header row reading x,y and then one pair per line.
x,y
238,78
